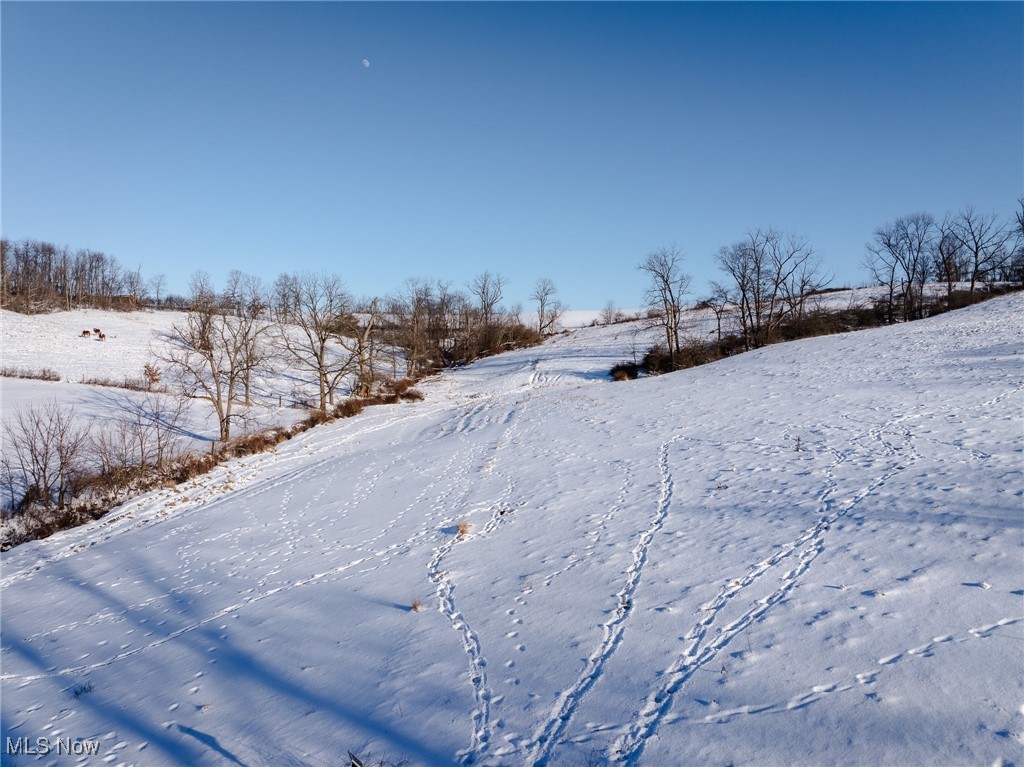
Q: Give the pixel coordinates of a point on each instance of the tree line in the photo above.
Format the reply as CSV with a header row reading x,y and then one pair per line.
x,y
39,276
310,323
60,471
965,247
770,278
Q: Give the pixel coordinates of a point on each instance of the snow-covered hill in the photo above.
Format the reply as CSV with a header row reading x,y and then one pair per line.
x,y
805,555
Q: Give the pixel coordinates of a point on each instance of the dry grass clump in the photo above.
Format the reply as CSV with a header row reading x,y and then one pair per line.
x,y
315,417
463,529
46,374
403,389
355,405
132,384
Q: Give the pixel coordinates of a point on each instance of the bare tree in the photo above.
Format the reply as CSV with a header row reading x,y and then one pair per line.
x,y
488,290
317,303
157,283
283,296
949,258
897,258
201,291
114,451
801,276
442,322
514,315
985,242
451,324
246,300
718,301
433,325
201,352
772,274
1015,268
666,288
408,324
549,308
634,340
135,286
143,440
43,454
610,313
6,248
357,334
210,351
159,419
483,325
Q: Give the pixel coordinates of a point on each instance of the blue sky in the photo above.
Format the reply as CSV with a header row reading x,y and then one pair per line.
x,y
563,140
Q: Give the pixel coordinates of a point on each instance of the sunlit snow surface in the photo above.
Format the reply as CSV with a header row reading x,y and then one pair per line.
x,y
653,573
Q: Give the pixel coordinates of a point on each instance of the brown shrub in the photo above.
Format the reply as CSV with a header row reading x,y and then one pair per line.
x,y
250,444
730,344
192,465
521,337
349,408
399,387
39,523
315,417
625,371
963,298
399,390
657,360
152,374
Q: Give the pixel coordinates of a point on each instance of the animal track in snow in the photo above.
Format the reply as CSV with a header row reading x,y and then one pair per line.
x,y
703,644
863,679
445,589
549,733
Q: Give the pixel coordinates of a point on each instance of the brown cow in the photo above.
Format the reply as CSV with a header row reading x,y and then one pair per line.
x,y
86,334
103,336
96,331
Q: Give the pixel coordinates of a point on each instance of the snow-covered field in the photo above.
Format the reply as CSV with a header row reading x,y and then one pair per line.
x,y
810,554
133,340
54,341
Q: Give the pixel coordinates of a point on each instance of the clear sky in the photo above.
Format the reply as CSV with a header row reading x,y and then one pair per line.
x,y
563,140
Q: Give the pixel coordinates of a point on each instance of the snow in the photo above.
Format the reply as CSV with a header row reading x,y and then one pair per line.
x,y
654,573
133,340
55,341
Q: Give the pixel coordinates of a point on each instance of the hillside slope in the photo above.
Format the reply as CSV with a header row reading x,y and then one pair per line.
x,y
804,555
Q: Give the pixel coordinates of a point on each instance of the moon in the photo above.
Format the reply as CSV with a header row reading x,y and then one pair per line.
x,y
366,63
